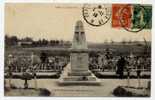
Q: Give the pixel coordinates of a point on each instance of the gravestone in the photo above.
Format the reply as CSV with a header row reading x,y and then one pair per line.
x,y
77,70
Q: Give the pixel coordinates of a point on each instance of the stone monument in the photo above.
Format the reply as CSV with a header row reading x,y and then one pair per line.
x,y
77,70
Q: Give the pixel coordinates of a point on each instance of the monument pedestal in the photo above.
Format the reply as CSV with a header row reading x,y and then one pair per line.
x,y
77,72
77,78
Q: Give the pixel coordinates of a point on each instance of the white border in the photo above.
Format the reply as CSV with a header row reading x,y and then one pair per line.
x,y
1,48
72,1
85,1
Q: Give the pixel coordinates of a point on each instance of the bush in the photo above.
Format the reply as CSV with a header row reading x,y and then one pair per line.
x,y
121,92
44,92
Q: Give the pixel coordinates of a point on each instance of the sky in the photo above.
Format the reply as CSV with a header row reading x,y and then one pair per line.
x,y
57,21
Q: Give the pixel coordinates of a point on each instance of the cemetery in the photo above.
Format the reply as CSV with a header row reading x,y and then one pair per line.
x,y
79,73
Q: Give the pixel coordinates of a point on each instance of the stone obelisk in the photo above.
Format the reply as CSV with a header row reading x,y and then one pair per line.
x,y
77,70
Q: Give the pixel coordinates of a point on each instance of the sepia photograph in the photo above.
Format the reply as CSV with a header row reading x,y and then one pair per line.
x,y
77,50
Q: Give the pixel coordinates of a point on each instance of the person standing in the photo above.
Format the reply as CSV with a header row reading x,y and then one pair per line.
x,y
120,67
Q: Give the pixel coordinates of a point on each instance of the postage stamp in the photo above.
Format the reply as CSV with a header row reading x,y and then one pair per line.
x,y
132,17
142,16
126,16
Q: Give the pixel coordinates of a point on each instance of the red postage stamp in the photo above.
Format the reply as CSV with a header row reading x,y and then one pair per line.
x,y
125,18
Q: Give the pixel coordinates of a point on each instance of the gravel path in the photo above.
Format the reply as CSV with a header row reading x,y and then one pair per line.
x,y
106,88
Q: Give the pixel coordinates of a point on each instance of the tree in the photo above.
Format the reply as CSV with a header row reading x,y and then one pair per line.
x,y
13,40
27,39
44,42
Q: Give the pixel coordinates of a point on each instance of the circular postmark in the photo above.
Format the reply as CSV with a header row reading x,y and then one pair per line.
x,y
132,18
96,15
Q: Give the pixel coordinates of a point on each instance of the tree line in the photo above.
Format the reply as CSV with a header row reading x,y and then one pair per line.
x,y
28,41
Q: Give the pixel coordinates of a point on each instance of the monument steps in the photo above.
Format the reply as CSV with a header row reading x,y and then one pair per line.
x,y
80,79
81,83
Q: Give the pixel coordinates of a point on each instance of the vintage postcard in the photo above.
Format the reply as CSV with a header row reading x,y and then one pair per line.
x,y
77,50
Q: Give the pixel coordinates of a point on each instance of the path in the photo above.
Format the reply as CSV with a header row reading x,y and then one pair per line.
x,y
106,88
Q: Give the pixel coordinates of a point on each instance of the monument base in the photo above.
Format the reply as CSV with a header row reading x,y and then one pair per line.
x,y
77,78
72,80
